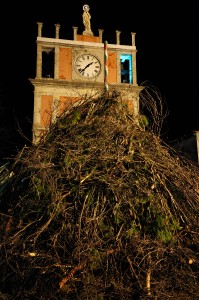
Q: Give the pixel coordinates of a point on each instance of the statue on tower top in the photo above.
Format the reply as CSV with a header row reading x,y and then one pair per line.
x,y
86,20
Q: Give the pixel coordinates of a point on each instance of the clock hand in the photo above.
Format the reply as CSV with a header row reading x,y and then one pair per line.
x,y
86,67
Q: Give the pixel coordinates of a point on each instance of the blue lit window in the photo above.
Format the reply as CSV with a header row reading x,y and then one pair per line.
x,y
126,68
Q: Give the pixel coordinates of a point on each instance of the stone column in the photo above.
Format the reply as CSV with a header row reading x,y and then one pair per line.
x,y
133,38
39,53
39,62
57,27
118,37
37,109
56,63
40,25
36,117
75,33
134,68
100,34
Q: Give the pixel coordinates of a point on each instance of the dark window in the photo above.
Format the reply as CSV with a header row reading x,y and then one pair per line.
x,y
48,58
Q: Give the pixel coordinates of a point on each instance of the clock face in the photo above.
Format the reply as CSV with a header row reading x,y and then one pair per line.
x,y
88,66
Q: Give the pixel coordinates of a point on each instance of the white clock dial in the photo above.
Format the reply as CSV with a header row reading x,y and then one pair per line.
x,y
88,66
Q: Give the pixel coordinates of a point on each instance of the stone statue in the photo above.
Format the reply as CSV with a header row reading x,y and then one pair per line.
x,y
86,19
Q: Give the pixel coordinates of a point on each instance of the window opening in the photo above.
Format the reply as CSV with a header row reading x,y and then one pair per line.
x,y
48,58
126,68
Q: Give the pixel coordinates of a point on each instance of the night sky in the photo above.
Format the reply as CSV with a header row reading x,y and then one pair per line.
x,y
167,42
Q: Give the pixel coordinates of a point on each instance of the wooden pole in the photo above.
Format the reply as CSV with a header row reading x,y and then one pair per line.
x,y
105,67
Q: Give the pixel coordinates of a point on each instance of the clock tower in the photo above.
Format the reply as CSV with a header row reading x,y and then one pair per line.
x,y
68,71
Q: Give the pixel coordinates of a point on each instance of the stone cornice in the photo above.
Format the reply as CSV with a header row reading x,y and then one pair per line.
x,y
62,42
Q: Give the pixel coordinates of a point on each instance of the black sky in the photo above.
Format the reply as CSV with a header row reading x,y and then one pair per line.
x,y
167,41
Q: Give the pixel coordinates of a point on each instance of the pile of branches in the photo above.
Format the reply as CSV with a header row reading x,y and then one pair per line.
x,y
100,209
